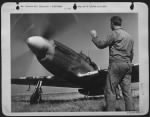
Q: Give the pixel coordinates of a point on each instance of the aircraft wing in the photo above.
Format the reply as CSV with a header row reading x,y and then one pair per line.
x,y
103,73
83,80
135,73
47,81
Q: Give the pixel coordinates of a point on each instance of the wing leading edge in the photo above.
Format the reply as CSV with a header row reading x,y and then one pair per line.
x,y
83,80
47,81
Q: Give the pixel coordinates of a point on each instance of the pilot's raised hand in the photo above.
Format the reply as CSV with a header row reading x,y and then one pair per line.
x,y
93,33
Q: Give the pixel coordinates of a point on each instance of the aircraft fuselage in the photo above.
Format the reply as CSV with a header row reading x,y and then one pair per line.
x,y
61,60
65,63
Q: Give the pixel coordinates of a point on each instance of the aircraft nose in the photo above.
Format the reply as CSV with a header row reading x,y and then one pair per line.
x,y
39,46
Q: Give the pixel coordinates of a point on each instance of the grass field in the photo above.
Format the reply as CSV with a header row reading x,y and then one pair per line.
x,y
71,102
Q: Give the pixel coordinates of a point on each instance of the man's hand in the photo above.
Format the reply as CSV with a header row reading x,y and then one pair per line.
x,y
93,33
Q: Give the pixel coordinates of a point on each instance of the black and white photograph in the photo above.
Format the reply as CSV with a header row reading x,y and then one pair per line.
x,y
80,61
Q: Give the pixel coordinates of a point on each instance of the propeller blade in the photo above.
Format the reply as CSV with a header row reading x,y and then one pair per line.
x,y
20,65
50,25
24,26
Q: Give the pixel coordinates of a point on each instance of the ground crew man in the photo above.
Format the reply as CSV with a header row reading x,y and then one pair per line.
x,y
120,46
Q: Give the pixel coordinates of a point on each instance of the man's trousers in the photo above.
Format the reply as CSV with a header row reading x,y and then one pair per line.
x,y
118,73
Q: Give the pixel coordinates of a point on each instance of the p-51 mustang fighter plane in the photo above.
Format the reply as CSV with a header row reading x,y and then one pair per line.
x,y
70,69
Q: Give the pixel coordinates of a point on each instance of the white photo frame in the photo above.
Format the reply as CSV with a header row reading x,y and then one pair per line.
x,y
140,9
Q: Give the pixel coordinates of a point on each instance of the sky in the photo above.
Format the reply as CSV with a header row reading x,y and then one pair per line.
x,y
69,29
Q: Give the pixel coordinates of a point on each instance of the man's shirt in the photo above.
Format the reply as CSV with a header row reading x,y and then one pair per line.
x,y
120,45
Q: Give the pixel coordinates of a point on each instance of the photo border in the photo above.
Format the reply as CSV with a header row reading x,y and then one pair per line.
x,y
140,8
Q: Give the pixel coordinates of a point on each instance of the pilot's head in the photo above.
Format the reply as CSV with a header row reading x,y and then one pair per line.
x,y
115,21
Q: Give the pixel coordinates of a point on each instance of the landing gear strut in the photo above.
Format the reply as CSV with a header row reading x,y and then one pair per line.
x,y
36,96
